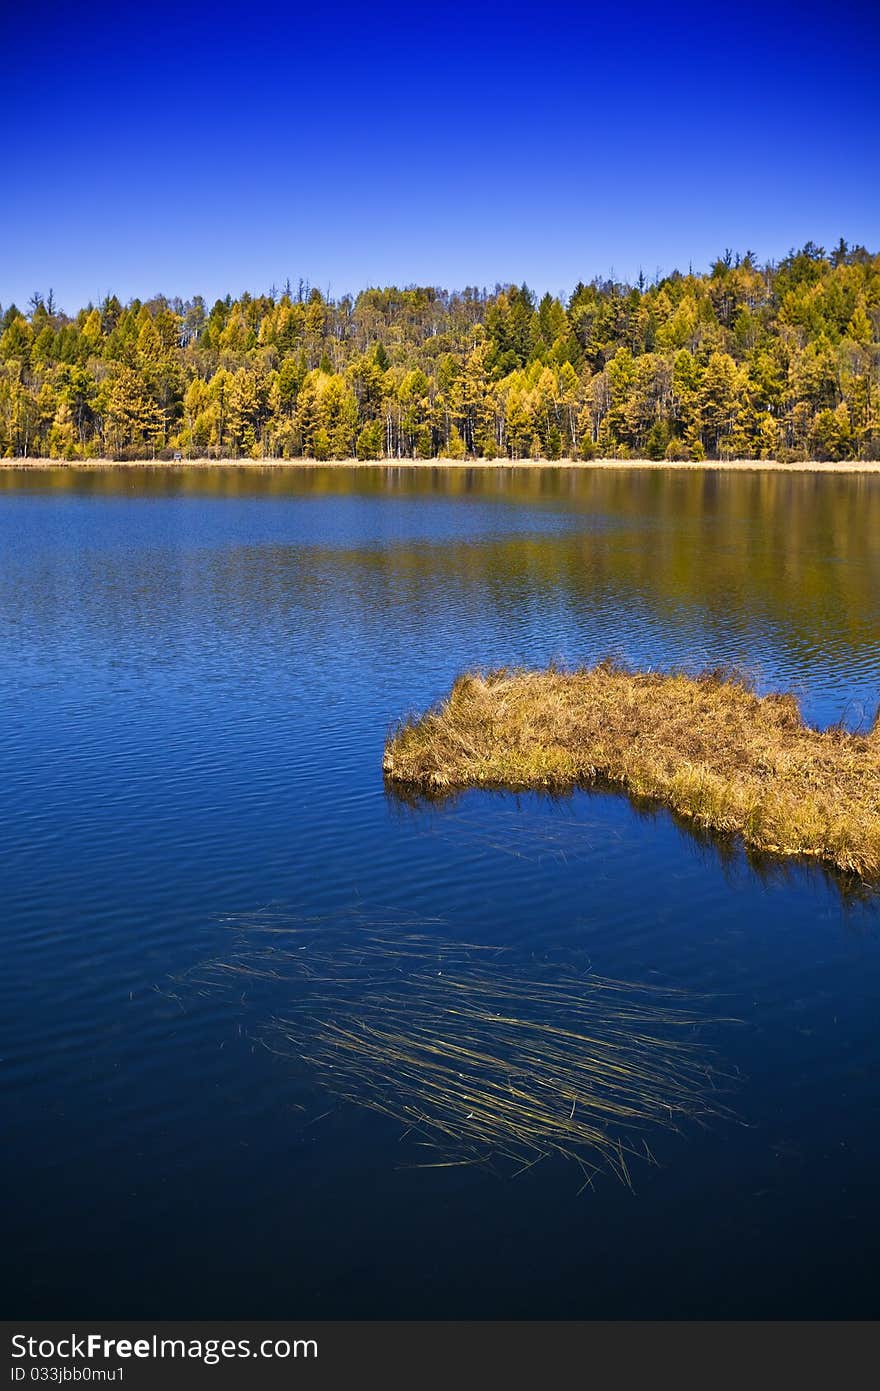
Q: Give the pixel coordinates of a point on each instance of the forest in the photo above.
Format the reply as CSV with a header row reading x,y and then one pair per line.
x,y
776,361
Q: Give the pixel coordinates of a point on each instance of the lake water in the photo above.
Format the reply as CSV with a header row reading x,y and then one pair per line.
x,y
198,671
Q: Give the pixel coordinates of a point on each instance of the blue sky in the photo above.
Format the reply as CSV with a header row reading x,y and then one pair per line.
x,y
203,149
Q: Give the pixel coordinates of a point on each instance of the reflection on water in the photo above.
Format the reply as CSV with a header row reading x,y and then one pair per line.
x,y
554,826
198,670
777,573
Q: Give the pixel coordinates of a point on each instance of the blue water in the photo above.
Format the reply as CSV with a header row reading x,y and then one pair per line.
x,y
197,676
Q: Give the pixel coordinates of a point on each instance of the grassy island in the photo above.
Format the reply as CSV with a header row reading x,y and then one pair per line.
x,y
707,746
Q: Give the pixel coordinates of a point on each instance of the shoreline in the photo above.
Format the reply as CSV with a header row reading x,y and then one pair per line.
x,y
856,466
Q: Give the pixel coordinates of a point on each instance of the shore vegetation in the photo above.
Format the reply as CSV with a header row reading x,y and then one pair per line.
x,y
779,361
707,746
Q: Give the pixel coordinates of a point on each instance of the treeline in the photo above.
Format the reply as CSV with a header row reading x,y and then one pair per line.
x,y
775,361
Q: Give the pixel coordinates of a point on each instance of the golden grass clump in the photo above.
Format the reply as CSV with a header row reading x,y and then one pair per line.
x,y
705,745
479,1059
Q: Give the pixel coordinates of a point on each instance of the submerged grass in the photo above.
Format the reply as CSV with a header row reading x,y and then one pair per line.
x,y
479,1059
706,745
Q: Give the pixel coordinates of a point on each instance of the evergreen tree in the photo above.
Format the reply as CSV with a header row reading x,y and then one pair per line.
x,y
765,361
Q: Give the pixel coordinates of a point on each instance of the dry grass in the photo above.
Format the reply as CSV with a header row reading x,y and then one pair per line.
x,y
478,1058
707,746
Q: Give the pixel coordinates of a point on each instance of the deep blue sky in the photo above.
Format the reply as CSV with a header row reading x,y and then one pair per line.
x,y
222,147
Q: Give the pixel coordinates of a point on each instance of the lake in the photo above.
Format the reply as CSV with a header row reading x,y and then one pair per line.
x,y
198,671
